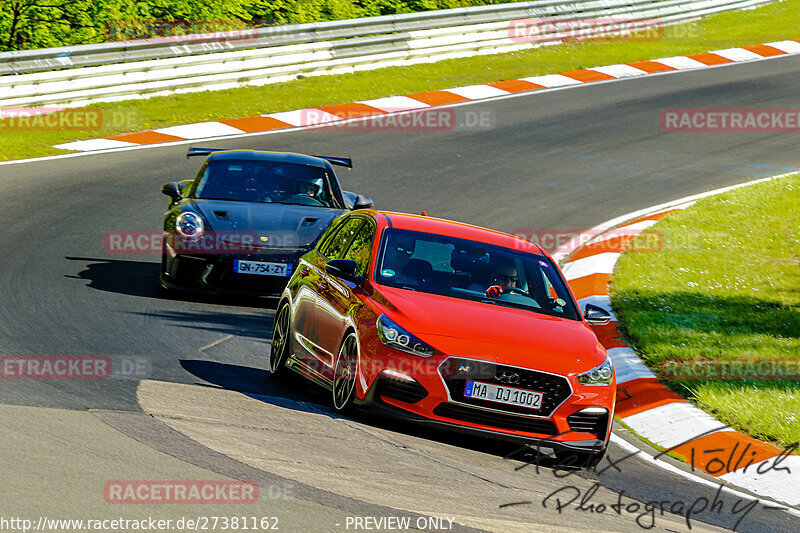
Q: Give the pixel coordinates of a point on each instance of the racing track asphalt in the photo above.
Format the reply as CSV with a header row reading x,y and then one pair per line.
x,y
555,160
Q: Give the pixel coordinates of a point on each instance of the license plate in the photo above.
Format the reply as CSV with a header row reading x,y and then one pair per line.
x,y
506,395
261,269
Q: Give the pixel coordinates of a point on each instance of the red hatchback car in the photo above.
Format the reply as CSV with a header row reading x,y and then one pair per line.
x,y
450,324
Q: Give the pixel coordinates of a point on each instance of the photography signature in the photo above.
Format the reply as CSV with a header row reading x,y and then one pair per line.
x,y
570,497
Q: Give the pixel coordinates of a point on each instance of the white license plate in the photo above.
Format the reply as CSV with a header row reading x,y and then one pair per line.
x,y
261,269
500,394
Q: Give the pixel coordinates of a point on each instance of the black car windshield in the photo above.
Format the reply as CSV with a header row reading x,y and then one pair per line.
x,y
473,270
266,182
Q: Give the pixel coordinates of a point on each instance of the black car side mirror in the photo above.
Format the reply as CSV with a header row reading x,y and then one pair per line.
x,y
344,269
173,190
362,202
596,316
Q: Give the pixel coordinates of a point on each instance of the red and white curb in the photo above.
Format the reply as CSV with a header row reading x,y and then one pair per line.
x,y
316,116
650,409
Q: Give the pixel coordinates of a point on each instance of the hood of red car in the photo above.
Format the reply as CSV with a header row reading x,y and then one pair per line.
x,y
496,333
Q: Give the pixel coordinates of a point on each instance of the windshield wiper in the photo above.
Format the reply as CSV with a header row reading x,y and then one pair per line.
x,y
296,203
506,303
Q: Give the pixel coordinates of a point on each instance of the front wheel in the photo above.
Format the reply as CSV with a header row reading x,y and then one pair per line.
x,y
344,373
165,291
279,350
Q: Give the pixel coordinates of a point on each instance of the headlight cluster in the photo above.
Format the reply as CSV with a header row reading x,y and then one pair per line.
x,y
396,337
189,225
599,375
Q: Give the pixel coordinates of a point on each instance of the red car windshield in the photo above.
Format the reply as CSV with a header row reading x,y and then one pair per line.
x,y
473,271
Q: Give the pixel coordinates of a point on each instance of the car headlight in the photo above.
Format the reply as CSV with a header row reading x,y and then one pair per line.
x,y
189,225
598,376
396,337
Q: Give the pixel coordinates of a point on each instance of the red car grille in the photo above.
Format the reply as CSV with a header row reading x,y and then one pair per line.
x,y
456,371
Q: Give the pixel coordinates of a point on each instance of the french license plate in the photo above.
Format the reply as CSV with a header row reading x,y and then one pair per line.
x,y
506,395
261,269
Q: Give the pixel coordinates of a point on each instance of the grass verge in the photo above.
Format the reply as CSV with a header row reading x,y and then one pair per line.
x,y
725,287
769,23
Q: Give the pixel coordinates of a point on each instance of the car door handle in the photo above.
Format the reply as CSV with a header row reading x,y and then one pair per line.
x,y
304,272
324,285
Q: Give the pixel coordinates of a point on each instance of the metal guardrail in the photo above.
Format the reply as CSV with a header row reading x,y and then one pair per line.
x,y
79,75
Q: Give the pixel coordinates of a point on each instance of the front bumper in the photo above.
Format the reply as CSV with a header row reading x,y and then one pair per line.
x,y
382,408
210,273
577,420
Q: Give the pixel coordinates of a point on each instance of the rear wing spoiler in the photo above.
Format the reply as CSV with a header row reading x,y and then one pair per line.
x,y
341,161
203,151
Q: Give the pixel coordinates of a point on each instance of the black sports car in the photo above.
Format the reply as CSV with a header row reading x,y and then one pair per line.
x,y
242,224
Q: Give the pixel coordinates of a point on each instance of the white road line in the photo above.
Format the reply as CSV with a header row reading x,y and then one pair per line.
x,y
790,47
553,80
680,62
595,264
477,92
90,145
646,457
620,71
779,484
671,424
737,54
305,117
395,103
215,343
200,130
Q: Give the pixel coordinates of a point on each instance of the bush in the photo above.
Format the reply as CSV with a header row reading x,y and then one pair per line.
x,y
28,24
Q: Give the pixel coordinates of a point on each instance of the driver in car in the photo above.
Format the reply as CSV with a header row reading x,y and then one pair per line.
x,y
311,188
504,275
398,254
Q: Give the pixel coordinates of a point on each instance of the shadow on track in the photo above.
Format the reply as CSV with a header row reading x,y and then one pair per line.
x,y
299,395
253,326
133,278
139,278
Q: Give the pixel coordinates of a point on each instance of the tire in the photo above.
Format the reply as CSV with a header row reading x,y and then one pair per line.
x,y
165,291
344,374
279,349
585,460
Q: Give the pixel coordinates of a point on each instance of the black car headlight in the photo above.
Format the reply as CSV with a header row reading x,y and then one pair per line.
x,y
396,337
189,225
598,376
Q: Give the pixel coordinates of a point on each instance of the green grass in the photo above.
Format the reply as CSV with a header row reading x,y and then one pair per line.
x,y
773,22
725,286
